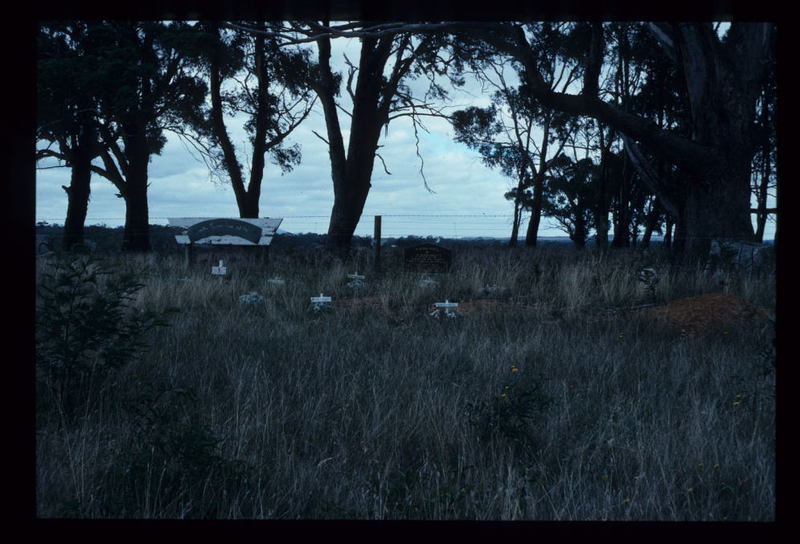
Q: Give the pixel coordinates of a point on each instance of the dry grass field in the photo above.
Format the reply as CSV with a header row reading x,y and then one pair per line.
x,y
561,390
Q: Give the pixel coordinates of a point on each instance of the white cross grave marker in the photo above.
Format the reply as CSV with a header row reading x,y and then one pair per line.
x,y
447,306
356,280
219,270
320,301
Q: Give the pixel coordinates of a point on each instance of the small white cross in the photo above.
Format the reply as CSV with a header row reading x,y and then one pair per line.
x,y
219,270
320,299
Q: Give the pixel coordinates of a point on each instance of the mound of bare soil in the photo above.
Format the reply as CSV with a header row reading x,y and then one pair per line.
x,y
709,313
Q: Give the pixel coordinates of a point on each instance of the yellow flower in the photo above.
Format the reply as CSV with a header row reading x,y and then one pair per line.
x,y
626,501
503,395
514,368
737,403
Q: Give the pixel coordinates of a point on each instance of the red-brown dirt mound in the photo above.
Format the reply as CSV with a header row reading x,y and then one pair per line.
x,y
482,306
713,312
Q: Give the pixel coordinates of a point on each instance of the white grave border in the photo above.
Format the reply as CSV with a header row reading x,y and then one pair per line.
x,y
268,226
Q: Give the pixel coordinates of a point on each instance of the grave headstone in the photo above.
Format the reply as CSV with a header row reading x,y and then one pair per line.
x,y
427,258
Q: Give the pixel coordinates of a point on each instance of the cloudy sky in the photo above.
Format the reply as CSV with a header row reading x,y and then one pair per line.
x,y
467,199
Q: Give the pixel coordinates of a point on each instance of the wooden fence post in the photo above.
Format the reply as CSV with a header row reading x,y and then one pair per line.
x,y
376,239
189,255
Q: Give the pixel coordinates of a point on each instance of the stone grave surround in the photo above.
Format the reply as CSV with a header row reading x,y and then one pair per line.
x,y
231,239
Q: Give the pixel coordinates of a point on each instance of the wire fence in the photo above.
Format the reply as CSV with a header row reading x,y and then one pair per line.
x,y
393,225
444,225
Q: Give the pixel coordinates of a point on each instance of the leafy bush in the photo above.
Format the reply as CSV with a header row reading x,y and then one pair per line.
x,y
86,327
513,414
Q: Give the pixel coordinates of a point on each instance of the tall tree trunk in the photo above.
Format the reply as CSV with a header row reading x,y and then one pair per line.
x,y
668,224
580,233
351,195
532,234
601,210
352,172
249,206
78,192
652,222
512,241
137,224
766,170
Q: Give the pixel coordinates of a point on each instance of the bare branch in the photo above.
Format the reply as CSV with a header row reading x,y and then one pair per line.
x,y
347,113
414,122
351,30
351,71
320,137
384,163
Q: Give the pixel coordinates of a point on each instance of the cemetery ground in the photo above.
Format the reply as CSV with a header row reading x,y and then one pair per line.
x,y
546,397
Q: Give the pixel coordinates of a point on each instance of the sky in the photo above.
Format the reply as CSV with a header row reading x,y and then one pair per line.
x,y
467,198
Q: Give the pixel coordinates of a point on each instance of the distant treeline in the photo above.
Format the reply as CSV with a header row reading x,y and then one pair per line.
x,y
103,239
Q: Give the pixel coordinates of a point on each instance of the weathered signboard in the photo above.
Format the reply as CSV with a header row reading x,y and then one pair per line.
x,y
222,231
427,258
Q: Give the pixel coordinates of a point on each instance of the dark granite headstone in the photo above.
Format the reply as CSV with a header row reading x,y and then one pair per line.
x,y
427,258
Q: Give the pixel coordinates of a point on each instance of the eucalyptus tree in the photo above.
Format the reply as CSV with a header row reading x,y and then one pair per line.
x,y
570,201
377,85
379,94
722,77
514,134
250,76
145,84
765,172
66,112
721,74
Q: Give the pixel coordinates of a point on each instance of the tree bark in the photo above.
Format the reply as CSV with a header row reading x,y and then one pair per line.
x,y
137,224
78,192
512,241
351,171
532,234
601,211
652,222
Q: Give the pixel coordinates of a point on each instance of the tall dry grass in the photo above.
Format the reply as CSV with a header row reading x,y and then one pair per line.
x,y
540,411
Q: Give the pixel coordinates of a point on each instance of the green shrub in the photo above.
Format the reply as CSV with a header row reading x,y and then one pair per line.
x,y
513,414
87,327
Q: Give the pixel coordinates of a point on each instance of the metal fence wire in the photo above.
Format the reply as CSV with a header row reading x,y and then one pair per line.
x,y
474,225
